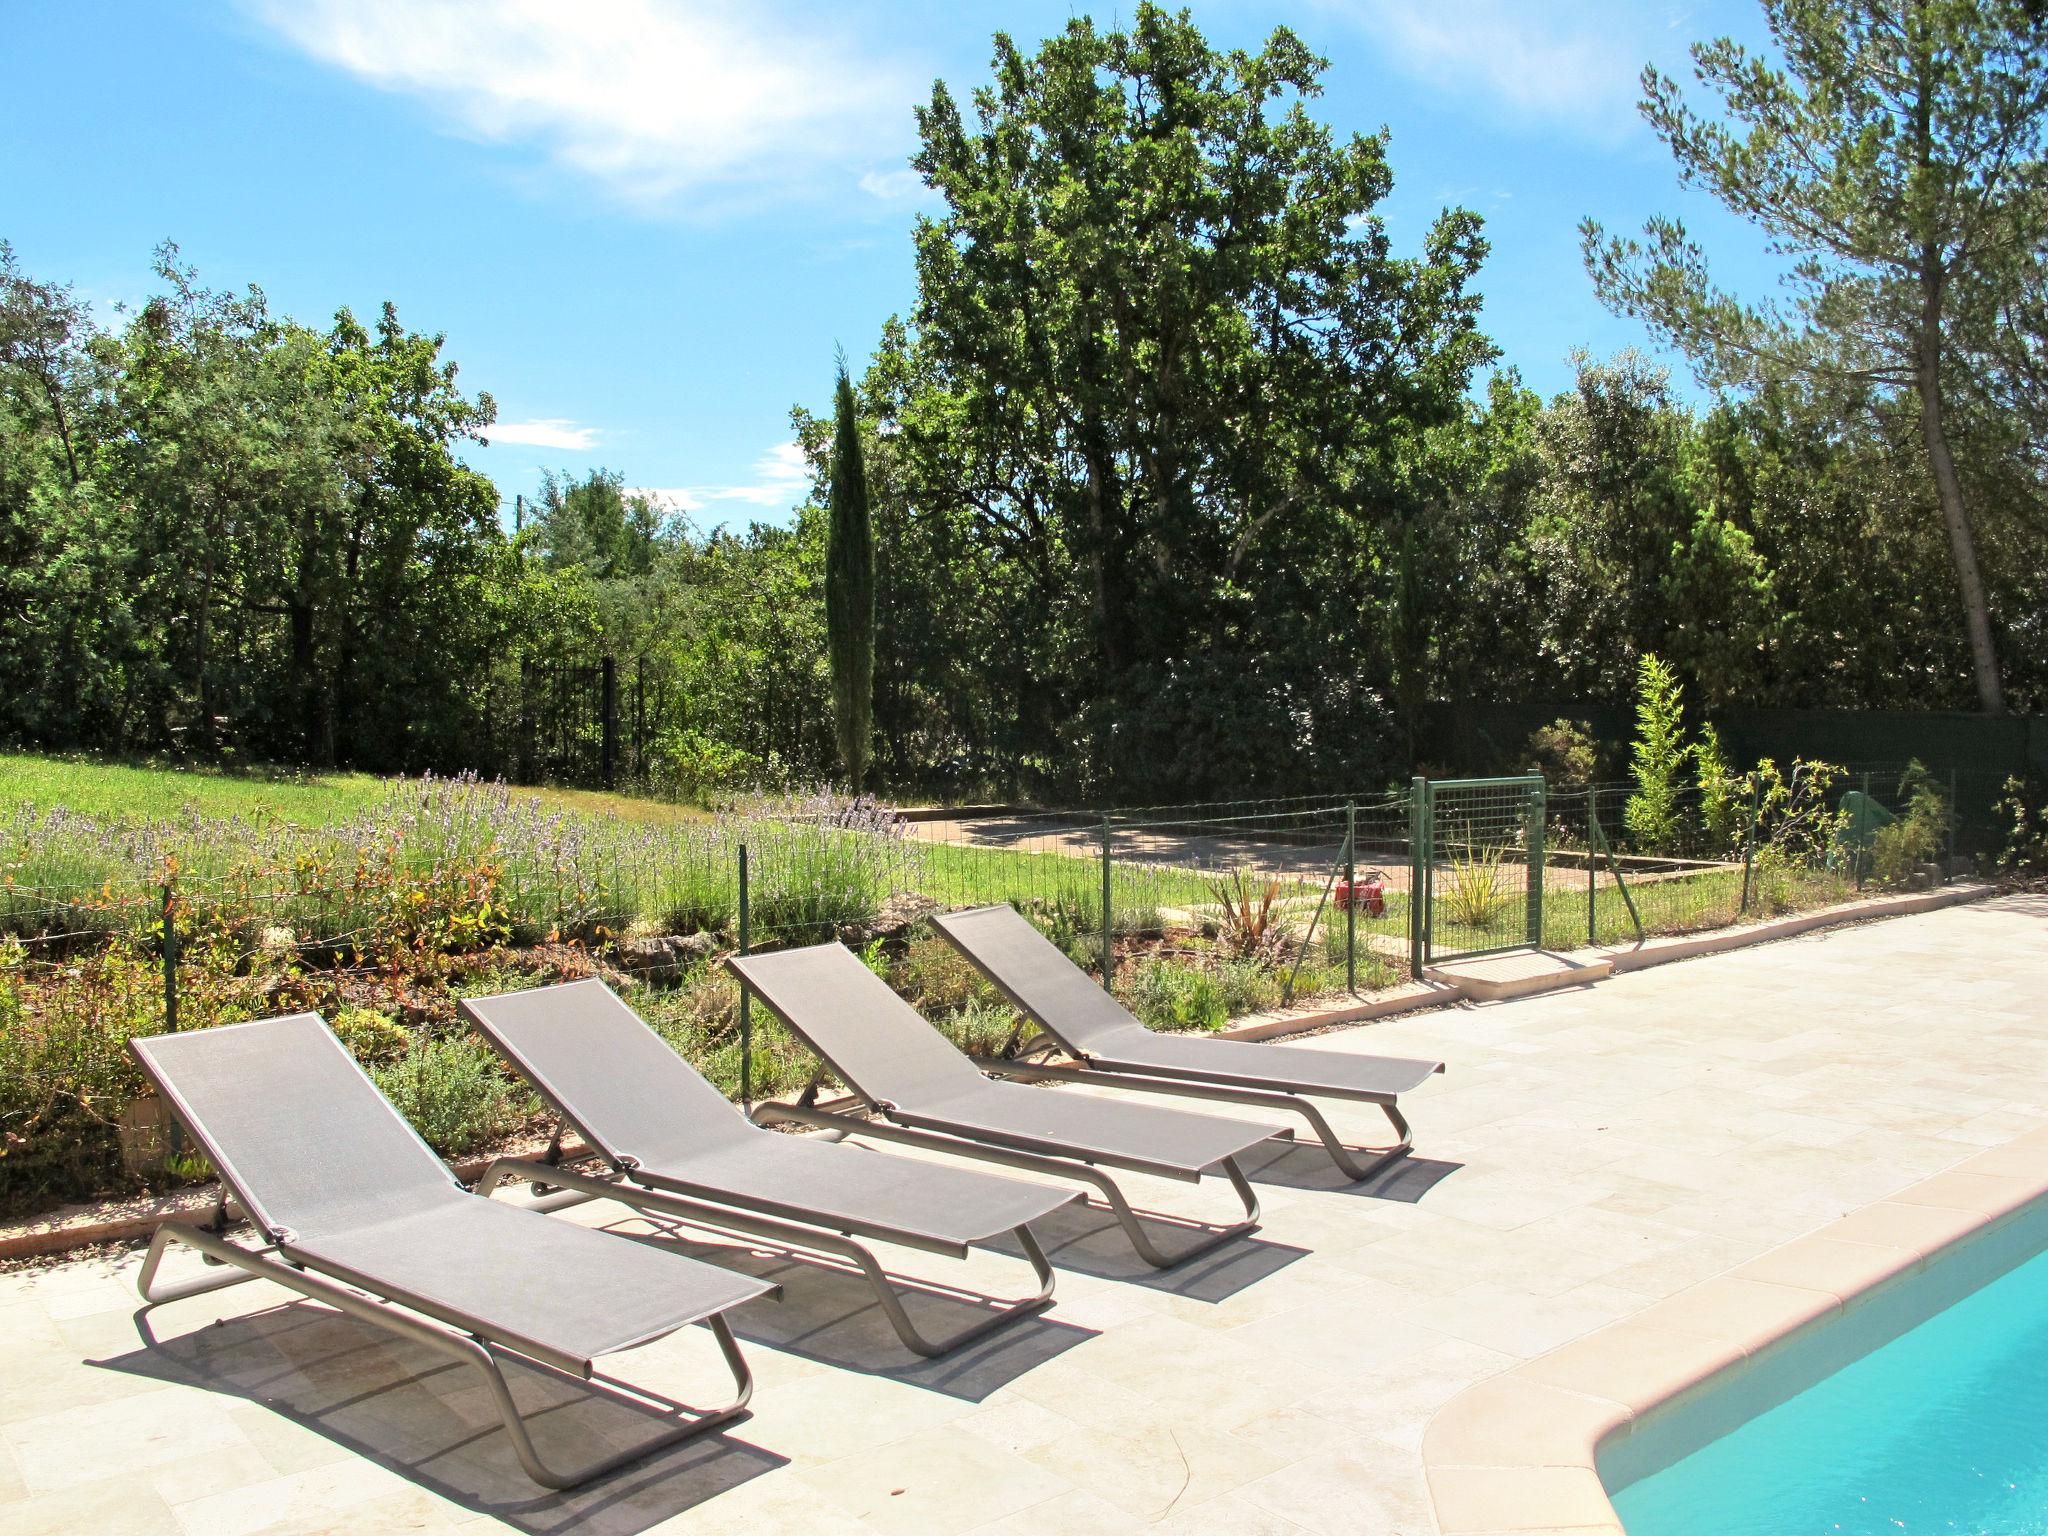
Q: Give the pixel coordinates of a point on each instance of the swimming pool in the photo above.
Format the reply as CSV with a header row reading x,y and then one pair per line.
x,y
1925,1410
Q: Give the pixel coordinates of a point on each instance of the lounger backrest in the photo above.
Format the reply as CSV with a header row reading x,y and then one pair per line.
x,y
619,1083
1036,975
293,1125
878,1044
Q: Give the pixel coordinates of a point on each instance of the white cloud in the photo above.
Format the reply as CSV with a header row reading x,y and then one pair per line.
x,y
712,102
1571,62
901,186
551,432
782,477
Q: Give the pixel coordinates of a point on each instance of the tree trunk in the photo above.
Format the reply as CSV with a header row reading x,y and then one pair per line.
x,y
1948,486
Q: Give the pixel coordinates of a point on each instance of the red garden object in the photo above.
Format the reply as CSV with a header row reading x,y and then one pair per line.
x,y
1369,891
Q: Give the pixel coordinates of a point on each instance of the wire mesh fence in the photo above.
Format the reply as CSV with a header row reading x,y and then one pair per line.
x,y
1192,914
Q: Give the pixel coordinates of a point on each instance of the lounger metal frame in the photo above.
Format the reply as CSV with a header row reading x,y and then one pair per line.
x,y
1150,1080
1079,1167
1191,1083
471,1342
659,1203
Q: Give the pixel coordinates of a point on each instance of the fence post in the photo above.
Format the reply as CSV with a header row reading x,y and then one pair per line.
x,y
1863,830
1351,896
1108,927
1592,873
609,764
746,997
1538,818
527,725
1948,854
1749,848
170,956
1418,875
174,1142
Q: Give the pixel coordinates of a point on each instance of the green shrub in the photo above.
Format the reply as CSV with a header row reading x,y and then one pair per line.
x,y
1168,995
1718,786
1653,816
1074,924
1795,829
700,1017
981,1028
697,896
65,1077
934,977
1249,986
370,1037
1900,847
810,881
689,766
455,1093
1564,752
2023,809
1918,835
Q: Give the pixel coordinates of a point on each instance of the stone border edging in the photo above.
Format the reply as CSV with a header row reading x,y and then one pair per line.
x,y
1518,1453
1687,946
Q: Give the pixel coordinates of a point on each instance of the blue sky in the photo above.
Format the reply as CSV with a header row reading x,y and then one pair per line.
x,y
645,224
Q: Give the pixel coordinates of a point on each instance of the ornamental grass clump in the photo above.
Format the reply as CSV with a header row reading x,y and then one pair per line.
x,y
1251,926
1473,889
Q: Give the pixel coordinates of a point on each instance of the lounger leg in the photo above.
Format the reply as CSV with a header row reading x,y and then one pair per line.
x,y
1059,1168
198,1285
837,1244
1141,1239
1341,1155
522,1441
254,1264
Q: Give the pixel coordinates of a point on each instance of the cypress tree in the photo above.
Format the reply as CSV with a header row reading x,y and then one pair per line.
x,y
850,586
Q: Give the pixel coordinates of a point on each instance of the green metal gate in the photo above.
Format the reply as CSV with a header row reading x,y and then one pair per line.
x,y
1476,867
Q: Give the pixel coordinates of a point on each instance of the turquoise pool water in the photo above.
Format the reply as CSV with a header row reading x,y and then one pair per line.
x,y
1943,1429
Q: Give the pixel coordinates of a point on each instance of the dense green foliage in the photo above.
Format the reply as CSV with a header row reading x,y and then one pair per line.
x,y
1899,157
1181,480
1151,415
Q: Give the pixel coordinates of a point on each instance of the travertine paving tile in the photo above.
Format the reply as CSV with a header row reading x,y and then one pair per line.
x,y
1588,1156
933,1483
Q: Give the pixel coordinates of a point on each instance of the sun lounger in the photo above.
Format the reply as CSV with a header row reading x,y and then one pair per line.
x,y
680,1150
1095,1029
929,1094
357,1212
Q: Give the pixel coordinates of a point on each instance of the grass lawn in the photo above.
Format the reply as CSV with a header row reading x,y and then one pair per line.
x,y
140,791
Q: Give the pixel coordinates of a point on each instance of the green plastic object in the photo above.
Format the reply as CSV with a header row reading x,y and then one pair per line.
x,y
1862,816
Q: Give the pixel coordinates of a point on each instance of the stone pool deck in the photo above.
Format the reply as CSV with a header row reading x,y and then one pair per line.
x,y
1590,1154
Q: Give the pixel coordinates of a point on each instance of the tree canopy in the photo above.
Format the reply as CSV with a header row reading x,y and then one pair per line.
x,y
1180,479
1896,159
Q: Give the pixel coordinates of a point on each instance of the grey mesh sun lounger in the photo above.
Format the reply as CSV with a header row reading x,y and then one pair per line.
x,y
928,1094
681,1151
357,1212
1114,1048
